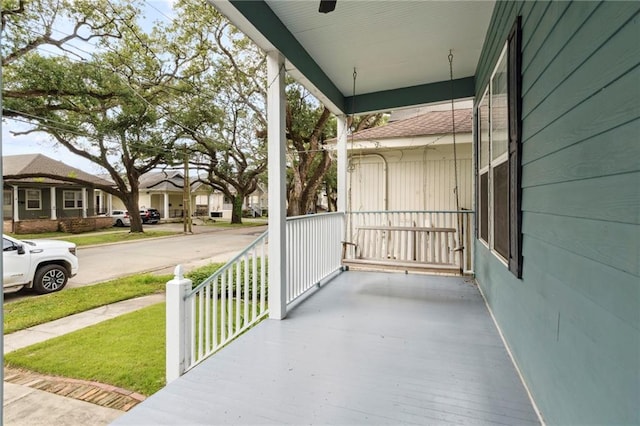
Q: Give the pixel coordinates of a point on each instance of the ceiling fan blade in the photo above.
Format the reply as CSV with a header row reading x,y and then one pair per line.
x,y
327,6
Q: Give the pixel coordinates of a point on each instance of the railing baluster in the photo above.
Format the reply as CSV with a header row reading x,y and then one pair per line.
x,y
192,335
263,277
223,308
254,286
214,286
230,282
246,293
238,282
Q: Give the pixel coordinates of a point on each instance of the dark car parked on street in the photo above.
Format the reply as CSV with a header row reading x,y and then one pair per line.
x,y
150,215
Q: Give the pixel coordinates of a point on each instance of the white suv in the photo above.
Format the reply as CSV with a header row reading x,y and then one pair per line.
x,y
121,218
44,265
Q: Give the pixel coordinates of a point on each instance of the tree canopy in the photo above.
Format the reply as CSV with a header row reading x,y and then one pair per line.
x,y
130,99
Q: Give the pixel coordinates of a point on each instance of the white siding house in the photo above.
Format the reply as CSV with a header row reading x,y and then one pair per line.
x,y
410,164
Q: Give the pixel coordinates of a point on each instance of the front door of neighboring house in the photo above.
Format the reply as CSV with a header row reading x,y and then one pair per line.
x,y
7,204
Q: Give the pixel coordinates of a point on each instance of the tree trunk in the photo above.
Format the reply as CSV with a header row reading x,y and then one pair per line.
x,y
236,210
293,206
132,205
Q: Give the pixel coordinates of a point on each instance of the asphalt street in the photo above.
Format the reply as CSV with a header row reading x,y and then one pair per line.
x,y
162,255
158,255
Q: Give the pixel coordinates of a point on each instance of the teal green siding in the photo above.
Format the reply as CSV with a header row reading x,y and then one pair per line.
x,y
573,321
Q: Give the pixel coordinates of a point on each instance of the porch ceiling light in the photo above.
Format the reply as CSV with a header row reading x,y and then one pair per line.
x,y
327,6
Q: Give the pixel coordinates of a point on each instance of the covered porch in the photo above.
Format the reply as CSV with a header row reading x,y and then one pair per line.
x,y
366,348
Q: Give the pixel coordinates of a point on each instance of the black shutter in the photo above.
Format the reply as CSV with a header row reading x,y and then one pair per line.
x,y
514,70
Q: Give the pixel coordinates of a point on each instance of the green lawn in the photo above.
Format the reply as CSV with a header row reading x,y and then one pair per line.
x,y
60,234
40,309
101,237
127,351
36,310
226,223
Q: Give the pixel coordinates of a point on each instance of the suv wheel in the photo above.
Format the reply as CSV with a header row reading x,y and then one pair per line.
x,y
50,278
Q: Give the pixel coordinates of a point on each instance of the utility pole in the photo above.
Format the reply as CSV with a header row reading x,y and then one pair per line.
x,y
186,195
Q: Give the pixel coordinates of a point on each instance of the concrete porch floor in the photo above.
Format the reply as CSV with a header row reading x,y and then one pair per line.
x,y
367,348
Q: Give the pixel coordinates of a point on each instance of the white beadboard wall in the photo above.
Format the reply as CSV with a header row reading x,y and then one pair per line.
x,y
417,179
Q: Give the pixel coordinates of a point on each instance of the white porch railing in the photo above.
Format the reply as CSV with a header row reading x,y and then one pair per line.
x,y
422,237
202,320
313,250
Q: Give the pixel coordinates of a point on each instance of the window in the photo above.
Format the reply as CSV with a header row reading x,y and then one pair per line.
x,y
72,199
7,198
498,140
34,199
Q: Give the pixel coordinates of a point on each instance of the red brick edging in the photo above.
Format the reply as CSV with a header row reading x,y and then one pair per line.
x,y
89,391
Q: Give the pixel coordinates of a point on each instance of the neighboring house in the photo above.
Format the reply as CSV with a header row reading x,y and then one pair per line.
x,y
163,190
408,164
216,204
556,88
41,203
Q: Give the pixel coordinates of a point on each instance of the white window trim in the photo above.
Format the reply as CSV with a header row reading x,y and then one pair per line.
x,y
492,164
27,199
77,198
486,169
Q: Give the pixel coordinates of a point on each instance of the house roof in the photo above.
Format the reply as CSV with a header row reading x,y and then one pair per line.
x,y
430,123
165,181
16,165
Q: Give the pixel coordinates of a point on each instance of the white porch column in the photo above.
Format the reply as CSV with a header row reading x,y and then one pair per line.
x,y
16,209
342,163
52,203
165,200
277,180
84,202
109,203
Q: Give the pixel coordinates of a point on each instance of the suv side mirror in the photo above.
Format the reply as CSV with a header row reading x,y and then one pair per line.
x,y
20,249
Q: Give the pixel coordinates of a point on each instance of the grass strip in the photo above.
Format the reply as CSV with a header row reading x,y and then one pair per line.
x,y
115,237
97,237
32,311
36,310
226,223
127,351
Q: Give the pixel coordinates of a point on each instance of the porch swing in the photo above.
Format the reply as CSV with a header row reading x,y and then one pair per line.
x,y
406,241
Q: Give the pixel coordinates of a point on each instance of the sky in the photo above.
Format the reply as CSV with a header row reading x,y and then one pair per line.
x,y
40,143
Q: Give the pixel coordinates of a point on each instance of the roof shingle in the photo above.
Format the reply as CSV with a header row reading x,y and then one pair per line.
x,y
431,123
16,165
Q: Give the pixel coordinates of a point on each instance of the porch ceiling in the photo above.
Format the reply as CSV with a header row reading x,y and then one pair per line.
x,y
393,45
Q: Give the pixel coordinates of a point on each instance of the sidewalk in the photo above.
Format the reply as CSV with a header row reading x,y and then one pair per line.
x,y
64,401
